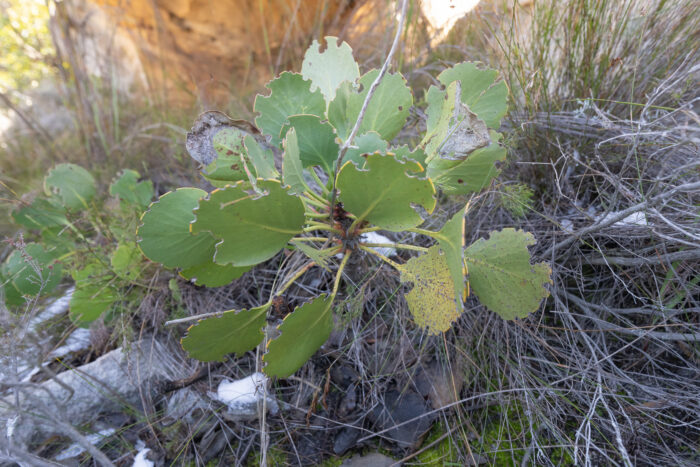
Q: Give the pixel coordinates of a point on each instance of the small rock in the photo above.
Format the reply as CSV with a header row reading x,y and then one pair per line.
x,y
406,417
242,397
182,404
345,439
370,460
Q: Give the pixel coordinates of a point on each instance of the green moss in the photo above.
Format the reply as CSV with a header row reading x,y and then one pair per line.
x,y
443,453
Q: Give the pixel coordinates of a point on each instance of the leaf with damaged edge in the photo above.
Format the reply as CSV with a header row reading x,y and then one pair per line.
x,y
303,332
501,275
74,185
329,68
432,298
384,192
211,339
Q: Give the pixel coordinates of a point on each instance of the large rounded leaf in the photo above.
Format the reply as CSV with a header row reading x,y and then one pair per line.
x,y
387,110
501,275
233,332
383,193
329,68
33,270
165,233
303,332
252,227
290,95
74,185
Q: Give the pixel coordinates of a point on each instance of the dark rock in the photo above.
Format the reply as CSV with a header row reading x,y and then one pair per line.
x,y
345,440
406,417
370,460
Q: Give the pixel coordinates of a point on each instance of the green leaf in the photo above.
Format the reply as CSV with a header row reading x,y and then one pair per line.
x,y
129,190
470,175
316,141
451,241
165,233
329,68
263,159
90,300
432,298
9,292
292,170
501,275
320,257
366,144
403,152
72,184
41,214
290,95
33,270
252,227
383,194
213,275
486,99
387,110
303,332
126,261
234,331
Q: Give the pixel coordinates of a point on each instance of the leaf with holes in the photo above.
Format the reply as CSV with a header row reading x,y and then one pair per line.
x,y
303,332
384,192
72,184
252,227
232,162
432,298
387,110
329,68
165,232
130,191
211,339
290,94
502,277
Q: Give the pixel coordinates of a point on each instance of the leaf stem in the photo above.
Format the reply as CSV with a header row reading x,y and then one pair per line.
x,y
391,263
294,278
325,227
427,233
401,246
339,274
314,201
309,239
317,179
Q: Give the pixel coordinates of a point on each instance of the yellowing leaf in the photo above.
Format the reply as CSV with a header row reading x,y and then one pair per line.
x,y
502,277
432,298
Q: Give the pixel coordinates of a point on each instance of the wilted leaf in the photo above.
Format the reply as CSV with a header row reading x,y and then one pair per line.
x,y
213,275
232,163
387,110
303,332
129,190
252,227
383,193
316,142
165,233
200,139
432,298
233,332
74,185
290,95
329,68
501,275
